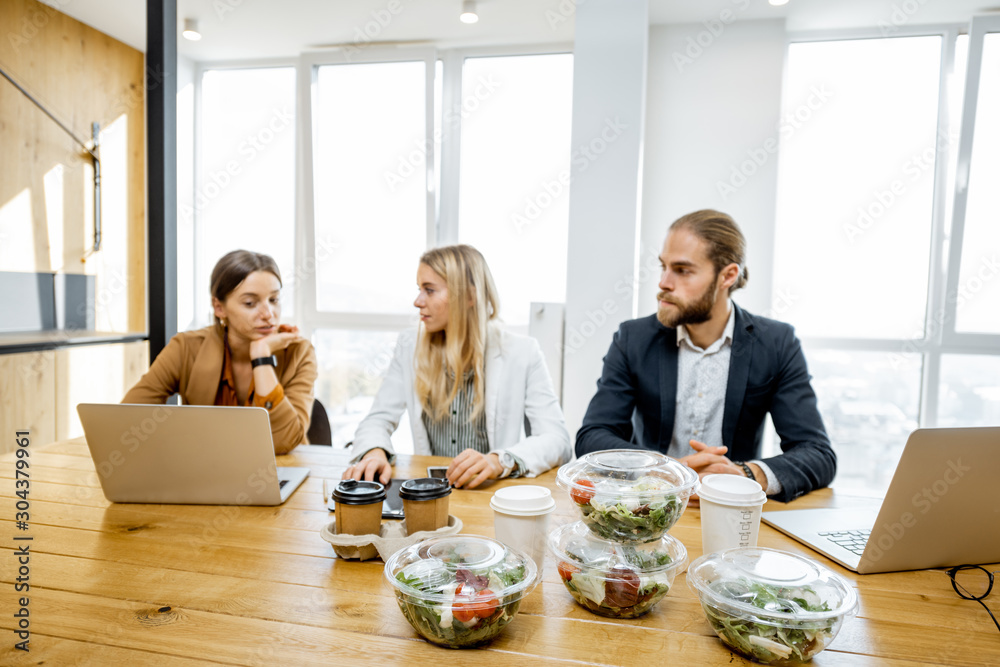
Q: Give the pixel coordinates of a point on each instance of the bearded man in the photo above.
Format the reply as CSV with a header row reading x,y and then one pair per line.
x,y
696,380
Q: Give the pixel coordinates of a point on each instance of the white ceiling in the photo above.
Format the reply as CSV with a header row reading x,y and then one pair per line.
x,y
242,29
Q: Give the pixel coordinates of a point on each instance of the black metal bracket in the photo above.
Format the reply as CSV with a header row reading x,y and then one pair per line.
x,y
95,153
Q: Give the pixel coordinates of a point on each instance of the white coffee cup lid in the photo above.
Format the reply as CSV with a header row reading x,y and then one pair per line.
x,y
731,490
524,500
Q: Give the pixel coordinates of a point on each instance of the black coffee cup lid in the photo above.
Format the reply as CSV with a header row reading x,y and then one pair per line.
x,y
424,488
353,492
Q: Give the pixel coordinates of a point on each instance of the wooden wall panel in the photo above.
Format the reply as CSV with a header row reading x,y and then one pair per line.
x,y
27,397
94,374
82,76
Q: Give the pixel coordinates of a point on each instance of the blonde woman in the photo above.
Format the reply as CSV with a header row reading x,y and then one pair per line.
x,y
468,385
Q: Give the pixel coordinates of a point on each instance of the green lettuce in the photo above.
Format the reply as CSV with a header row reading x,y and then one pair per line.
x,y
766,642
646,523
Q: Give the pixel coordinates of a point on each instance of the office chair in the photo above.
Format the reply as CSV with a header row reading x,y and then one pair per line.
x,y
319,426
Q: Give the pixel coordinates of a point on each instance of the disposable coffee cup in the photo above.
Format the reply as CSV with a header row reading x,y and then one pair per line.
x,y
521,518
425,503
359,507
730,512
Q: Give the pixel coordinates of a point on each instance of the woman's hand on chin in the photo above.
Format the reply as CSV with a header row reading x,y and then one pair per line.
x,y
271,343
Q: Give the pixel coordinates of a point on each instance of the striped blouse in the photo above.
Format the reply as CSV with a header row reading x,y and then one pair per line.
x,y
455,433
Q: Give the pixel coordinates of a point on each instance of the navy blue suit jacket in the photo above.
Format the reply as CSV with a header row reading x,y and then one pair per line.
x,y
637,395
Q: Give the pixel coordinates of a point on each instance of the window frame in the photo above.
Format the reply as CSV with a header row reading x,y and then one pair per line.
x,y
442,206
451,133
202,303
975,342
309,63
939,335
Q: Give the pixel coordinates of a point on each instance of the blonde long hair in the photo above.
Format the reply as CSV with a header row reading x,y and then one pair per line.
x,y
444,357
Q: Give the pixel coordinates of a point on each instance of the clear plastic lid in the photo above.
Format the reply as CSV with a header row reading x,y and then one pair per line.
x,y
574,544
770,586
432,570
627,473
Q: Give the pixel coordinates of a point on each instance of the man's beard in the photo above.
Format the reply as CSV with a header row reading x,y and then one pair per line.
x,y
686,313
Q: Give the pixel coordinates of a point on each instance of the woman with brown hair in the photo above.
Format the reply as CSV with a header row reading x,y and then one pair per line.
x,y
468,386
247,358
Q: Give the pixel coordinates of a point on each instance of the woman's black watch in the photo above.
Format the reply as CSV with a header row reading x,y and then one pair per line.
x,y
264,361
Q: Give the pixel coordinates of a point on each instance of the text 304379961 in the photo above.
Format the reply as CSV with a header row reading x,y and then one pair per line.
x,y
22,548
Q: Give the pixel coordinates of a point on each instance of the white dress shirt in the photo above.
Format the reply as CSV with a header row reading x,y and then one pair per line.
x,y
702,380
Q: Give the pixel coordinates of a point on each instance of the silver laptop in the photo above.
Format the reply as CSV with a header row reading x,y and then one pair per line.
x,y
942,508
190,455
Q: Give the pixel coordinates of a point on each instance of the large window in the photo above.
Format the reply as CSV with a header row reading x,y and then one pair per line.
x,y
390,152
352,364
245,176
370,185
978,293
408,149
856,186
871,196
969,391
514,182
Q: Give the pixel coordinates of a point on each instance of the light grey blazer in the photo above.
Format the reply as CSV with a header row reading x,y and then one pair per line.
x,y
518,393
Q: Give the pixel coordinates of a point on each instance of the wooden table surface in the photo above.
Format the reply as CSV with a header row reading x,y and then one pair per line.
x,y
118,584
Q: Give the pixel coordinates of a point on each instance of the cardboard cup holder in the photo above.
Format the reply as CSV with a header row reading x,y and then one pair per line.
x,y
391,538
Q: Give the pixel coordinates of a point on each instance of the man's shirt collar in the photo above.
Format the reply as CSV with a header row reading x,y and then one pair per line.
x,y
727,333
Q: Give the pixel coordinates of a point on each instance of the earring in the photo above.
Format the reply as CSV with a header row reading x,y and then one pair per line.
x,y
223,321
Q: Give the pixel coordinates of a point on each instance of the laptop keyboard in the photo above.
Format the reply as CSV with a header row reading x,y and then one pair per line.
x,y
852,540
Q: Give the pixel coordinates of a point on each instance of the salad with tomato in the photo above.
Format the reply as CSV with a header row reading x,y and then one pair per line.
x,y
637,512
461,590
612,579
628,495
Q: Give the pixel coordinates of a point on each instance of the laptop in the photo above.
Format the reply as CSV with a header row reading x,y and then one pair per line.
x,y
942,509
188,455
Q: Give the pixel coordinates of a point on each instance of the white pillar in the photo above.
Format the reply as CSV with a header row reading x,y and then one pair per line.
x,y
609,102
712,142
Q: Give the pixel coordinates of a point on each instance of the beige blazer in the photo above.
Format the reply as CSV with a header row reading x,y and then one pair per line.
x,y
191,365
522,411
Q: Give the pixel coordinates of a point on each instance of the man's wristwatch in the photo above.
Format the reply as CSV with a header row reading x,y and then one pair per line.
x,y
264,361
507,462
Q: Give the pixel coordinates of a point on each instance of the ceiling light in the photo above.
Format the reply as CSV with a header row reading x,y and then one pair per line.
x,y
777,3
469,14
191,30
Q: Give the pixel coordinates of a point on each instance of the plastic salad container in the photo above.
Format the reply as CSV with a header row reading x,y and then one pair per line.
x,y
460,590
611,578
773,606
628,495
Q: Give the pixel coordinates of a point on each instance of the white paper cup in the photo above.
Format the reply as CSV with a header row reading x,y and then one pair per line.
x,y
730,512
521,519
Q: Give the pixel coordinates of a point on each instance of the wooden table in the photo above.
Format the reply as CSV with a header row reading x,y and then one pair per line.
x,y
182,585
